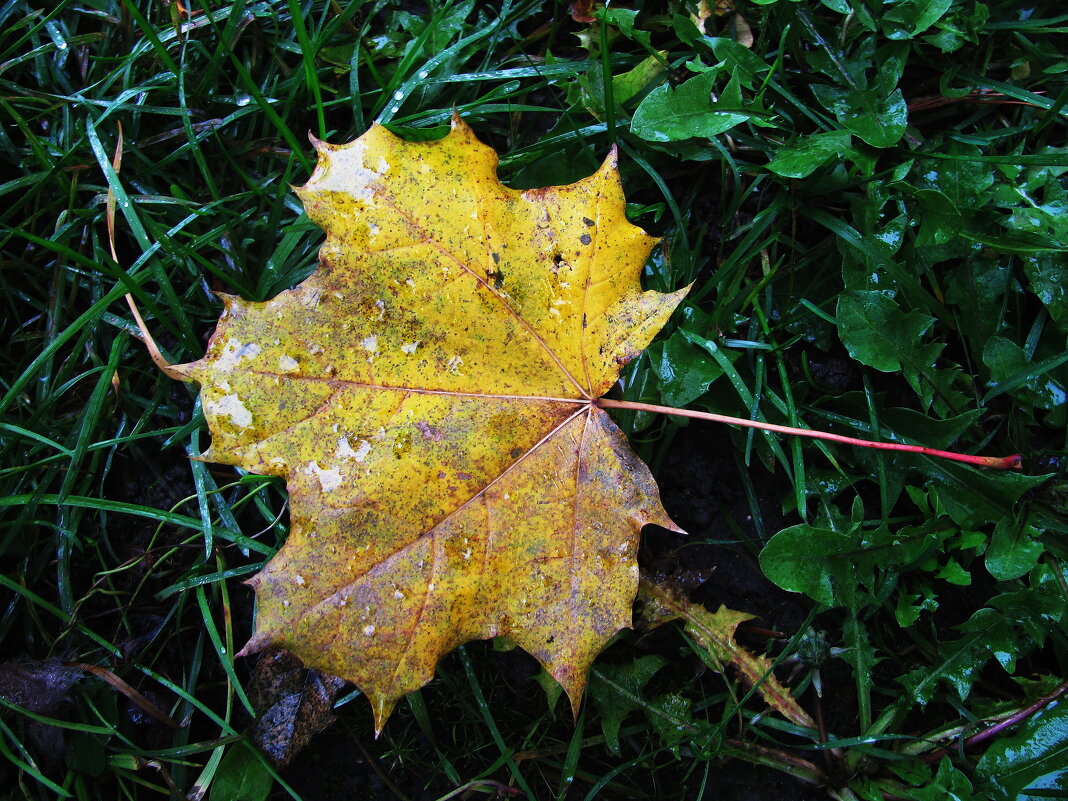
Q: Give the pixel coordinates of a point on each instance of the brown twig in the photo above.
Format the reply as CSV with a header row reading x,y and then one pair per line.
x,y
129,692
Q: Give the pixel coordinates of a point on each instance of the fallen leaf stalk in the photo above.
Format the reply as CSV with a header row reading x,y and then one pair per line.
x,y
1012,462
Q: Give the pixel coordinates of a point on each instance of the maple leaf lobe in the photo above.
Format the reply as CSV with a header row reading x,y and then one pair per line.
x,y
427,395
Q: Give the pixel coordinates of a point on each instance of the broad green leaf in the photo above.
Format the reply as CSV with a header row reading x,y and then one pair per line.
x,y
940,220
241,776
1037,609
803,156
684,371
1013,550
1012,370
878,119
912,426
877,333
964,180
1047,276
429,396
913,17
948,783
634,81
738,59
670,114
836,565
965,24
672,718
890,61
952,572
1032,763
975,499
978,289
911,605
1038,202
998,637
618,690
818,562
551,686
624,19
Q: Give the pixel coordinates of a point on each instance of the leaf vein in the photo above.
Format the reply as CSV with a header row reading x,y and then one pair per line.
x,y
481,283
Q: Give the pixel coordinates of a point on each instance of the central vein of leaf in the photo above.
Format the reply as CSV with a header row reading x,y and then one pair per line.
x,y
482,284
343,382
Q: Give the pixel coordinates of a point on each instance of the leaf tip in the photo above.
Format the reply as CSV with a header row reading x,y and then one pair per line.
x,y
182,372
383,708
572,677
576,704
257,642
458,127
611,161
672,526
228,300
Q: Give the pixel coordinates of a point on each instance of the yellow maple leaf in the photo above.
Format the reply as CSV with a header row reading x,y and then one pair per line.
x,y
430,395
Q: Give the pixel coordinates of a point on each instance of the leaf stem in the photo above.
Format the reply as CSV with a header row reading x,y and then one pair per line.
x,y
1012,462
153,350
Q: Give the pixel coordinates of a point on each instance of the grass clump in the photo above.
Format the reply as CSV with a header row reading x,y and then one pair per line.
x,y
870,198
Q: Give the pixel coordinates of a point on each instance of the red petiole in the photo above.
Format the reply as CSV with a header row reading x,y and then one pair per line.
x,y
1012,462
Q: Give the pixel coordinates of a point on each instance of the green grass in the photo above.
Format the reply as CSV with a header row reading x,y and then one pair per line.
x,y
872,212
